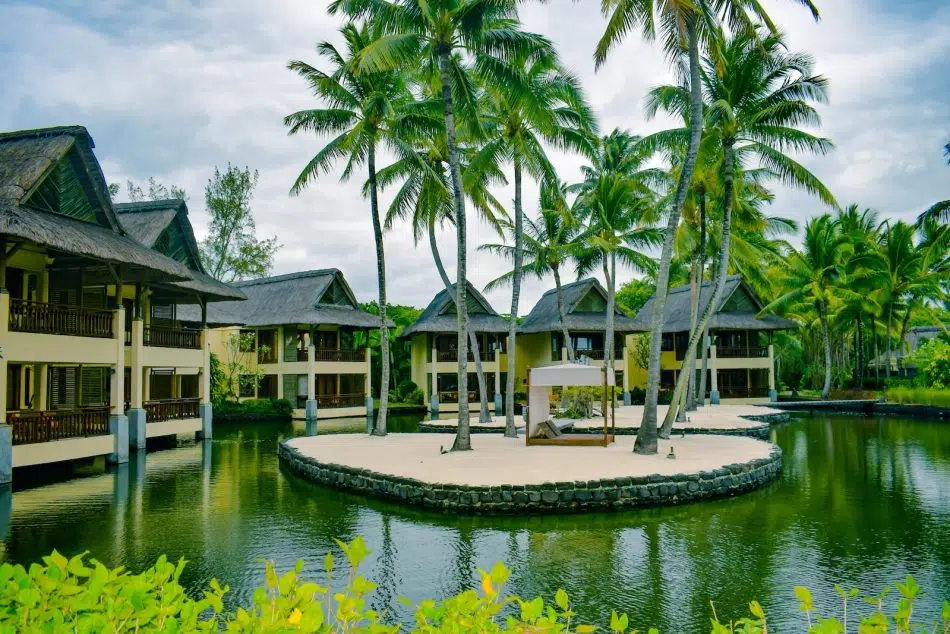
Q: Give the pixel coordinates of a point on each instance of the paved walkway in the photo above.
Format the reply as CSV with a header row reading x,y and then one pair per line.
x,y
497,460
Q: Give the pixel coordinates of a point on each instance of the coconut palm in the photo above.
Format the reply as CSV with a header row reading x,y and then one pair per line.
x,y
362,110
433,31
424,197
549,243
809,281
760,95
684,25
551,109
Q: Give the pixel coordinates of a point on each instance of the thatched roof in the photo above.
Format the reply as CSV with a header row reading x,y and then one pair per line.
x,y
149,221
440,315
578,298
737,309
53,194
309,297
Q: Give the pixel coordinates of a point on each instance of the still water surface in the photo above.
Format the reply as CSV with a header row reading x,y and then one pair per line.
x,y
861,501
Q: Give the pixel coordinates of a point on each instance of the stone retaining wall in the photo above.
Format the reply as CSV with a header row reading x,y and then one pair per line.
x,y
549,497
928,412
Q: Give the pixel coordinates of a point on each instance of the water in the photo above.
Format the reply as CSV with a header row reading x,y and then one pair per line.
x,y
861,501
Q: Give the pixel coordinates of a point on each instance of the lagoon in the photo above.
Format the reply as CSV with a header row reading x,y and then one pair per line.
x,y
862,501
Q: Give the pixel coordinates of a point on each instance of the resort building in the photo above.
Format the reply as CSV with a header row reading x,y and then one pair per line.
x,y
94,358
540,340
303,337
740,362
902,361
434,352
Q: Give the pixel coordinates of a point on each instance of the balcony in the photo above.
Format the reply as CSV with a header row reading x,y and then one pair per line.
x,y
30,427
748,352
171,409
353,355
331,401
451,356
52,319
159,337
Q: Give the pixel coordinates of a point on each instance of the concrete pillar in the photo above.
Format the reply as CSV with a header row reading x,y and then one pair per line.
x,y
6,431
773,393
627,400
714,379
136,413
368,388
118,422
310,409
434,395
205,412
6,452
498,405
6,509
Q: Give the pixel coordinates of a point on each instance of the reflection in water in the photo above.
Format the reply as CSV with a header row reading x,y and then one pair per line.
x,y
862,501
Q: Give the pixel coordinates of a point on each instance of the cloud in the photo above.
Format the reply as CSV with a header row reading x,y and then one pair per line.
x,y
171,89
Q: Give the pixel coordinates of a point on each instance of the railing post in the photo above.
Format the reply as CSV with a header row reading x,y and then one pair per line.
x,y
714,379
773,393
204,402
498,405
311,411
118,422
136,413
434,395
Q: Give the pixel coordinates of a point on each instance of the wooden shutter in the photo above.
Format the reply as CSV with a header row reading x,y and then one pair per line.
x,y
93,388
94,297
62,387
290,387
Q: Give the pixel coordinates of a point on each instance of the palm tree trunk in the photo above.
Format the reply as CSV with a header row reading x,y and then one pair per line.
x,y
562,312
826,390
877,355
887,342
380,428
646,442
700,396
609,364
484,415
510,430
695,289
859,355
463,439
901,339
729,168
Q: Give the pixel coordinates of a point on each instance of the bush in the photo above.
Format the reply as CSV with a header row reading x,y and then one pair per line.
x,y
638,396
254,409
415,397
918,396
73,595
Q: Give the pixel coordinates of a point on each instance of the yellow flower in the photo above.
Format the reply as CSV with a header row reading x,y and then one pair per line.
x,y
487,587
295,616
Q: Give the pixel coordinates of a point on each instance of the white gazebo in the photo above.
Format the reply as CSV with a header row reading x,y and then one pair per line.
x,y
540,382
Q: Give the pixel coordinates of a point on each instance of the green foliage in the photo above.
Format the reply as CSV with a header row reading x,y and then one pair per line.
x,y
935,397
632,295
254,409
400,350
232,251
220,390
153,190
582,401
932,359
74,595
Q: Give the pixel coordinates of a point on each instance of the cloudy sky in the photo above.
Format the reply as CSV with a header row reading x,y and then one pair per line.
x,y
171,89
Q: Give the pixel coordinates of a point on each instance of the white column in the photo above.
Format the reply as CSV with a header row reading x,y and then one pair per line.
x,y
714,379
118,423
136,413
4,325
434,388
205,411
773,393
311,372
498,403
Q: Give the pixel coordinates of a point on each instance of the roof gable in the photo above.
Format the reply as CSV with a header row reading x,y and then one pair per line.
x,y
742,300
163,225
593,301
440,314
337,293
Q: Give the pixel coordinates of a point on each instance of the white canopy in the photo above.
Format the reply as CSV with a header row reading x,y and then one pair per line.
x,y
569,374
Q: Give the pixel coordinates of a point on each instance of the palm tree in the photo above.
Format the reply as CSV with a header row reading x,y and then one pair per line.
x,y
552,110
486,30
425,198
759,96
362,110
549,243
810,280
860,228
684,25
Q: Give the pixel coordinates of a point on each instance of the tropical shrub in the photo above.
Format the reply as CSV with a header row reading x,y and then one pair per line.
x,y
78,596
638,396
934,397
254,409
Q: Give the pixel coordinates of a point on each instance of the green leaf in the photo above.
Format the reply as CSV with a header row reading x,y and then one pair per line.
x,y
560,598
756,609
803,595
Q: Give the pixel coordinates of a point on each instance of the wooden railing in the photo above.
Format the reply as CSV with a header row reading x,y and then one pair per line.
x,y
453,397
43,426
170,409
352,355
750,352
302,355
330,401
453,355
51,319
158,337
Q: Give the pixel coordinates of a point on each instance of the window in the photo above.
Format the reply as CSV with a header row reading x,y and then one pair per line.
x,y
246,385
95,387
247,340
667,343
267,387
